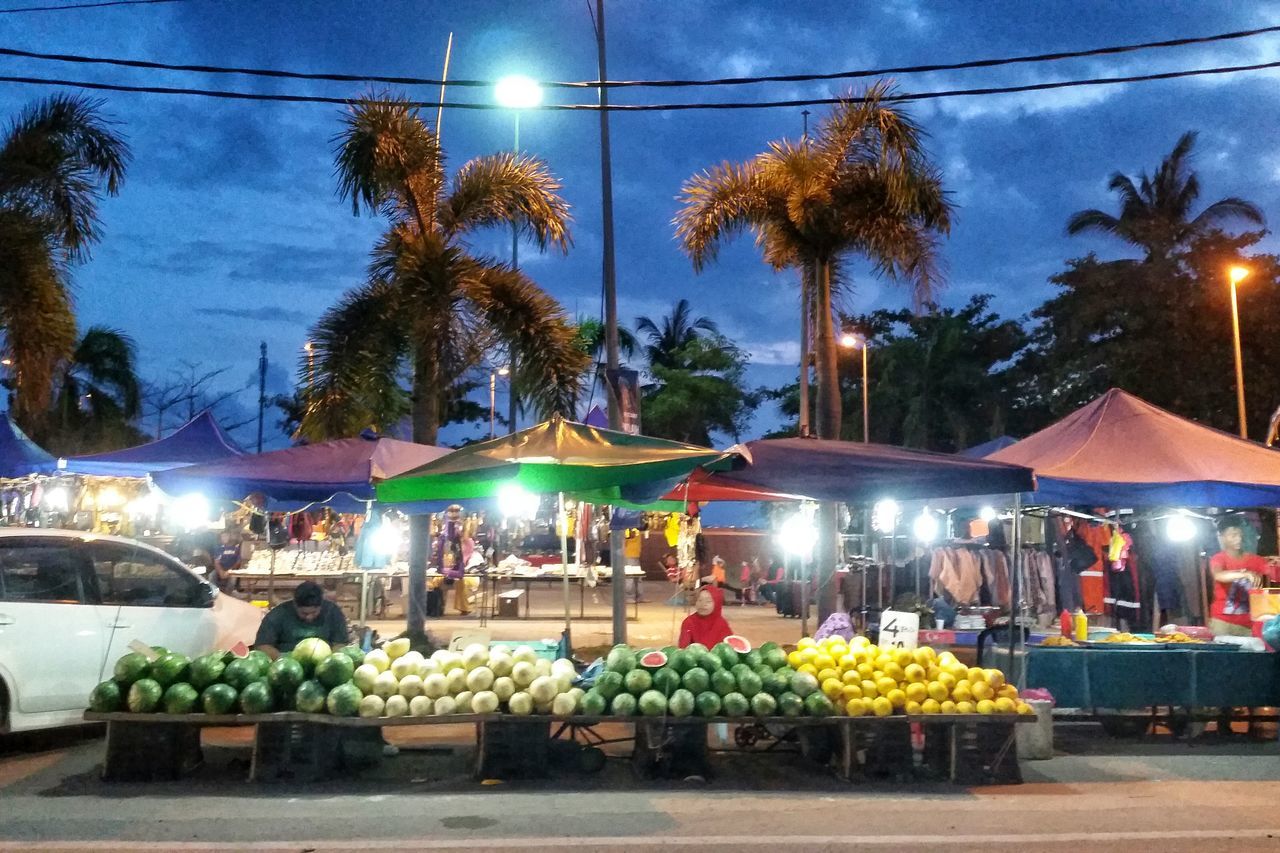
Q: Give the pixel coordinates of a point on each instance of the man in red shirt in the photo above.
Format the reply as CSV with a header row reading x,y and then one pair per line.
x,y
1234,574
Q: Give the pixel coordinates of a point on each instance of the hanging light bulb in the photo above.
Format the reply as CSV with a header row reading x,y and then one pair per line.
x,y
1180,527
925,527
884,515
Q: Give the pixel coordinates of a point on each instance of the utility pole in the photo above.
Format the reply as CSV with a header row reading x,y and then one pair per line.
x,y
262,390
617,559
806,285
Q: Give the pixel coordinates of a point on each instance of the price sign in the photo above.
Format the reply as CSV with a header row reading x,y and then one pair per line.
x,y
899,630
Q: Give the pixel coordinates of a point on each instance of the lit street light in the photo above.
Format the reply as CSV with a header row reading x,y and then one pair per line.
x,y
851,341
516,92
1238,274
493,387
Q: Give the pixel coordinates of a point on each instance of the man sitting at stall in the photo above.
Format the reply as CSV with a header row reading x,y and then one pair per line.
x,y
706,624
1235,572
310,614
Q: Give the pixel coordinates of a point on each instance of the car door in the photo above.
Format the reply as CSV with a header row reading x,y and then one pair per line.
x,y
159,601
52,639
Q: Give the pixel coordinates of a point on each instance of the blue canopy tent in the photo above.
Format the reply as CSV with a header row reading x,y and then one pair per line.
x,y
1121,451
338,474
198,440
19,455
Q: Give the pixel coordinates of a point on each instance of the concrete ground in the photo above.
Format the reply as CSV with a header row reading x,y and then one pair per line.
x,y
1097,794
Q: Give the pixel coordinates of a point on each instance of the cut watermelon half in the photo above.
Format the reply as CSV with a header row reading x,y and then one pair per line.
x,y
739,644
654,660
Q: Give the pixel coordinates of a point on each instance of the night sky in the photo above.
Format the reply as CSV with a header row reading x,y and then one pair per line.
x,y
228,231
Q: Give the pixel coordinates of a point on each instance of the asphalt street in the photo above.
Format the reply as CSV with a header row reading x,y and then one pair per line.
x,y
1096,794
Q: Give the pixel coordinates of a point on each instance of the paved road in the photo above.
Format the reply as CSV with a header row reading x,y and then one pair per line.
x,y
1159,797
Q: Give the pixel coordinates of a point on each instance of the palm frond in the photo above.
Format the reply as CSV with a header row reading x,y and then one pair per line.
x,y
107,359
385,154
550,367
715,206
504,189
55,159
1228,209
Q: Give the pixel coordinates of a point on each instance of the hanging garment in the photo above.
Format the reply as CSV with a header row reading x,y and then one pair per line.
x,y
995,574
1093,581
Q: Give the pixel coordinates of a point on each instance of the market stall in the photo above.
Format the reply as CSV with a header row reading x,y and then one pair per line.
x,y
1166,480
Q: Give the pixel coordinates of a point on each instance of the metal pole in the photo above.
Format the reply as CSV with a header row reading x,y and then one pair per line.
x,y
1235,332
866,405
617,557
805,283
513,399
493,415
1015,593
564,562
804,598
262,390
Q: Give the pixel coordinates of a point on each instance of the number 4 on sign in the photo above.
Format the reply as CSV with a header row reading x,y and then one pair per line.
x,y
899,630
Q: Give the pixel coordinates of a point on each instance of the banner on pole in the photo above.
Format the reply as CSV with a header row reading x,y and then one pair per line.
x,y
625,385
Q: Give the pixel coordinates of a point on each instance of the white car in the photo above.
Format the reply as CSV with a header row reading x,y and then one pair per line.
x,y
70,605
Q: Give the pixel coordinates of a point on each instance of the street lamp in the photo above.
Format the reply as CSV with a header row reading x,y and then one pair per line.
x,y
1237,274
311,364
516,92
493,387
851,341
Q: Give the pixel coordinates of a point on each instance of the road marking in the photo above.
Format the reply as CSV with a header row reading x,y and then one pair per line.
x,y
753,841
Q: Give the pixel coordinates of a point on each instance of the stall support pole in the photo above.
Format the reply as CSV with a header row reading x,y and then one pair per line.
x,y
1015,593
271,573
618,562
804,598
564,563
364,597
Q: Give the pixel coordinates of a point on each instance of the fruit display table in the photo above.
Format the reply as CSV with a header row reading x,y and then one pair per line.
x,y
1137,678
552,576
966,749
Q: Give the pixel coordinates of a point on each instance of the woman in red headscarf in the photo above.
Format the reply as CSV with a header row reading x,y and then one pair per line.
x,y
706,624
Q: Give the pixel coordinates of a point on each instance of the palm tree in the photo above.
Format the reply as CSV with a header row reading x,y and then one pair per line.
x,y
862,185
590,338
673,333
98,393
1155,213
57,159
434,310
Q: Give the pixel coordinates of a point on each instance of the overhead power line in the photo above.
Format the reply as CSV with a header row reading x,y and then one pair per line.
x,y
73,6
625,108
592,84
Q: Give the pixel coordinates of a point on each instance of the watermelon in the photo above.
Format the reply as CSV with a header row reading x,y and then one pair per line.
x,y
791,705
257,698
803,684
681,661
653,660
610,684
621,660
774,658
652,704
623,705
334,670
181,698
708,703
130,668
310,652
106,697
749,684
171,669
354,652
696,649
764,705
738,669
723,682
144,695
219,699
310,697
681,703
206,670
696,680
666,681
260,659
774,684
762,671
727,655
740,645
766,646
344,700
240,673
818,705
638,681
736,705
594,704
285,675
753,658
709,662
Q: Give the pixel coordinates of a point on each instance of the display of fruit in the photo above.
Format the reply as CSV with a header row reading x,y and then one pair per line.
x,y
859,679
